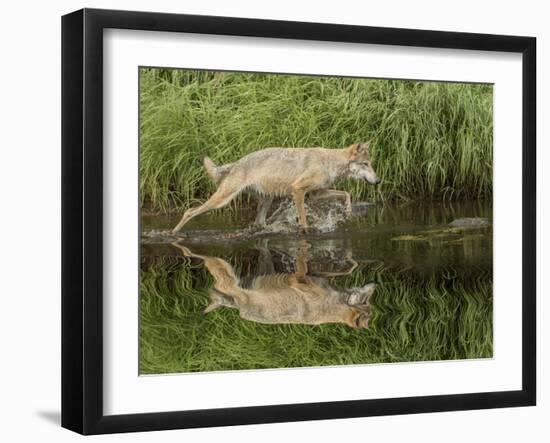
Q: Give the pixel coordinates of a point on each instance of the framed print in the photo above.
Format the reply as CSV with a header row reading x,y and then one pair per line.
x,y
269,221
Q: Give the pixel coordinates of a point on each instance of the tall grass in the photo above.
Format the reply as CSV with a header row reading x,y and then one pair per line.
x,y
439,315
429,140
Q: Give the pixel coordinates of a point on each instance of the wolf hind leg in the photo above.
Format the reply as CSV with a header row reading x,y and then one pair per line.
x,y
218,200
263,207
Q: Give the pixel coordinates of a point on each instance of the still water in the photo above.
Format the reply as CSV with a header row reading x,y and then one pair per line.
x,y
391,283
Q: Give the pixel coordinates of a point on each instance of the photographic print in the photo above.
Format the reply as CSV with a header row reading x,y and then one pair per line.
x,y
260,216
303,221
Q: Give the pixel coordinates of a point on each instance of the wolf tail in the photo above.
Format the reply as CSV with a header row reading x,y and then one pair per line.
x,y
216,173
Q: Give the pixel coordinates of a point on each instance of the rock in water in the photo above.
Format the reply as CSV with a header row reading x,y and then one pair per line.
x,y
361,208
323,215
470,222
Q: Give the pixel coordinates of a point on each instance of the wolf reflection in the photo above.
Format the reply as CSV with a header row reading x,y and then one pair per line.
x,y
287,298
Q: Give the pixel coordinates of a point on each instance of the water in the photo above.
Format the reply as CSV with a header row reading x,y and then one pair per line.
x,y
389,283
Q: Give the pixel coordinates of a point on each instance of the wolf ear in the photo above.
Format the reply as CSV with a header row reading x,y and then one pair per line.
x,y
356,149
362,295
353,150
355,319
363,147
350,318
368,289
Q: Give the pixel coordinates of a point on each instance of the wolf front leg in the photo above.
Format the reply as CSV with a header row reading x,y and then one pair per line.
x,y
298,196
299,189
334,193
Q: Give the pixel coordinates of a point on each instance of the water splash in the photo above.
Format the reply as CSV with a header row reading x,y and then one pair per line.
x,y
322,215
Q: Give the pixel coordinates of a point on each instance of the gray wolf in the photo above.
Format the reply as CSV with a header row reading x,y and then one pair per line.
x,y
293,298
292,172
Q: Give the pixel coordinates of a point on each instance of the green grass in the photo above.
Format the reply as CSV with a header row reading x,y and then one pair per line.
x,y
415,317
429,140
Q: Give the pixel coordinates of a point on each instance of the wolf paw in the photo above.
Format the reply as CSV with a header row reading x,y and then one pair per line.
x,y
303,230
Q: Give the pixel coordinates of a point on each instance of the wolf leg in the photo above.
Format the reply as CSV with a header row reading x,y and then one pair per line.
x,y
265,265
333,193
299,188
298,195
301,261
263,207
219,199
223,273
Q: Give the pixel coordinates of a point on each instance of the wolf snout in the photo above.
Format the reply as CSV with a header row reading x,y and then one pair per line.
x,y
374,182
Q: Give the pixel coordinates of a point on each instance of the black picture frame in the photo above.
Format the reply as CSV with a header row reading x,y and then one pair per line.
x,y
82,218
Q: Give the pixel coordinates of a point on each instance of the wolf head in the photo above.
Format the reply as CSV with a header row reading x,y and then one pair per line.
x,y
360,166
